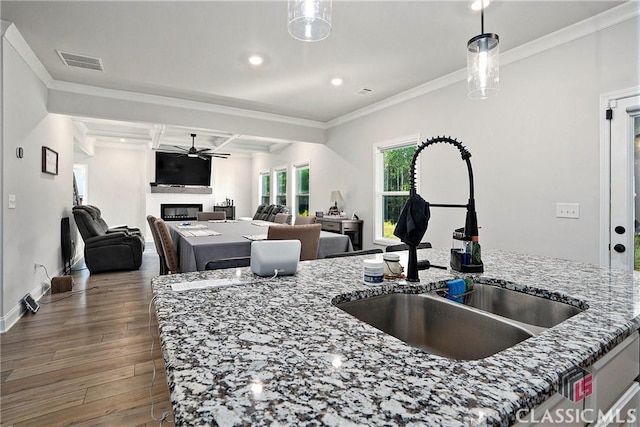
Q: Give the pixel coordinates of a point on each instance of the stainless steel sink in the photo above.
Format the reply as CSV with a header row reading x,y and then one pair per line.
x,y
437,326
518,306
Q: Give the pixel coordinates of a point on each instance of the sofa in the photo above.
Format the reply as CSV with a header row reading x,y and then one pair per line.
x,y
107,249
269,212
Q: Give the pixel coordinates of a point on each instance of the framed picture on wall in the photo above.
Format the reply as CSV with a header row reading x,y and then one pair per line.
x,y
49,161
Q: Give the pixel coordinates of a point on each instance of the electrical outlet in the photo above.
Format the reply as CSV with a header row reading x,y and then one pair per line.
x,y
568,210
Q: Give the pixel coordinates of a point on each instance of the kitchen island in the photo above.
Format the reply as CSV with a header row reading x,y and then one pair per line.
x,y
279,352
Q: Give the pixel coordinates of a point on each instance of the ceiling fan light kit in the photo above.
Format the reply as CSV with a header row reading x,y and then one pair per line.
x,y
202,153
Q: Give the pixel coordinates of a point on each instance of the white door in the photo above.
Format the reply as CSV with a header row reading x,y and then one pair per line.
x,y
624,182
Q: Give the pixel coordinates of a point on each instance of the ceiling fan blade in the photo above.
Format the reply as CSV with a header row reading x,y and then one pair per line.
x,y
203,157
220,156
181,148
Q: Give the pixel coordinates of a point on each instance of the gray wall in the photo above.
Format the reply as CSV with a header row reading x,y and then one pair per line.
x,y
31,231
535,144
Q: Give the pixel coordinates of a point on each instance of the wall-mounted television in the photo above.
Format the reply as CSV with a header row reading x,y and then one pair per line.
x,y
180,169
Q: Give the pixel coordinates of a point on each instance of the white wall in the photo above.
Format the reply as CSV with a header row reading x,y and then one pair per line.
x,y
116,183
31,231
535,144
231,178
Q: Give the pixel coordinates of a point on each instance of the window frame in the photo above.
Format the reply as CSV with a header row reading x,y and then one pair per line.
x,y
274,183
261,175
378,192
295,168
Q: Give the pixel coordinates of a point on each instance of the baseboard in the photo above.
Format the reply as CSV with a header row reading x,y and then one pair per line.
x,y
11,318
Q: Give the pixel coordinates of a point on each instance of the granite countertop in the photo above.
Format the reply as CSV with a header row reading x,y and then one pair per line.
x,y
279,352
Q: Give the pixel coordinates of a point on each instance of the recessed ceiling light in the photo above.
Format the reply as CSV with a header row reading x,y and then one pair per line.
x,y
256,60
123,140
337,81
480,4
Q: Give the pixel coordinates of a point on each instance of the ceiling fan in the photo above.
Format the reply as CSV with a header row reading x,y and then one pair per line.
x,y
202,153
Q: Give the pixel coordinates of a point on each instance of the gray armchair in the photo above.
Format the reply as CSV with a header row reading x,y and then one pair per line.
x,y
107,249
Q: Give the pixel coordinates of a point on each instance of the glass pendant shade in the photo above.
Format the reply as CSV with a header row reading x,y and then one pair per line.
x,y
483,72
309,20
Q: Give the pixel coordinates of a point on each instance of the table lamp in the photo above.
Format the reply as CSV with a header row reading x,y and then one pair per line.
x,y
335,198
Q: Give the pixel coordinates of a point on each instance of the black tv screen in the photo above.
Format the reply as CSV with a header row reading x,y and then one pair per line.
x,y
180,169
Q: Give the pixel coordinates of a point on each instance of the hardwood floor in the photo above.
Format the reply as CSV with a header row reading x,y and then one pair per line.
x,y
85,359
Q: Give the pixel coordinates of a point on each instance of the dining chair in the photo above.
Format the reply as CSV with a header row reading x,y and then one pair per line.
x,y
217,264
404,247
156,242
308,234
311,219
206,216
282,218
354,253
169,251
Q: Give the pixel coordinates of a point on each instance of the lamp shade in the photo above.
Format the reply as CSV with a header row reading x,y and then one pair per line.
x,y
309,20
336,196
483,72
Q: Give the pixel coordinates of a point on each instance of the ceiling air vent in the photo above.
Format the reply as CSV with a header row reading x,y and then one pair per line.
x,y
364,91
81,61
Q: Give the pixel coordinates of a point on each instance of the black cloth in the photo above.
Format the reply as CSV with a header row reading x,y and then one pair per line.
x,y
413,221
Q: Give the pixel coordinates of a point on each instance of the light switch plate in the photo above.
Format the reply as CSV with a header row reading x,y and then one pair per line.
x,y
568,210
12,201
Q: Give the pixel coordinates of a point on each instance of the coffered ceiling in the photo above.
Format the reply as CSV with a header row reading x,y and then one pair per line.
x,y
198,51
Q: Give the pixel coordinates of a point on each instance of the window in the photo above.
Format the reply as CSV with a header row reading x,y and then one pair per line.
x,y
392,183
80,184
301,176
265,188
281,187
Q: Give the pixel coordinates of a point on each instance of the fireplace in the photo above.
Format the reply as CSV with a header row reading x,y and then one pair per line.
x,y
180,211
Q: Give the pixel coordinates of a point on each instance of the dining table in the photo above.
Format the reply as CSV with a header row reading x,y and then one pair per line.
x,y
198,242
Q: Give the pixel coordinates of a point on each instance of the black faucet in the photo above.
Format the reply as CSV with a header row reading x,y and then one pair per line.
x,y
471,222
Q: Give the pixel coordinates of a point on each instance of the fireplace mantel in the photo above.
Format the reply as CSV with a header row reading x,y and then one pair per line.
x,y
181,190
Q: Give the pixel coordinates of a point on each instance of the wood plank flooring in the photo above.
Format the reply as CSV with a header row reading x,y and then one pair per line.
x,y
85,358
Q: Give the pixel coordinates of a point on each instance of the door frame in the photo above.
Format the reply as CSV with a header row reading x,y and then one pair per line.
x,y
606,101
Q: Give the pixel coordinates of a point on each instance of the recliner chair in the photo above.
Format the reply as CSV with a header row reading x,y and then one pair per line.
x,y
107,249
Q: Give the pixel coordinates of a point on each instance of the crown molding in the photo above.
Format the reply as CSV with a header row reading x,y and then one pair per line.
x,y
122,95
11,33
15,39
617,15
602,21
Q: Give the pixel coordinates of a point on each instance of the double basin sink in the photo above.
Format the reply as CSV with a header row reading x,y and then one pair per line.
x,y
481,322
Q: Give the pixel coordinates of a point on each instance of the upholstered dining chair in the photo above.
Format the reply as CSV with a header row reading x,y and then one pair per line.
x,y
311,219
206,216
282,218
355,253
241,261
404,247
308,234
156,242
169,251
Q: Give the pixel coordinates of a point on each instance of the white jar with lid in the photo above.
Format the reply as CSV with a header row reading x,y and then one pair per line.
x,y
372,271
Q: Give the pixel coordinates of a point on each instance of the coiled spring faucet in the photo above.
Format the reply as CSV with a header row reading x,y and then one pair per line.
x,y
414,218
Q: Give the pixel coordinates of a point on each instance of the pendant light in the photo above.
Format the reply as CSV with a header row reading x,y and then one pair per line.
x,y
483,74
309,20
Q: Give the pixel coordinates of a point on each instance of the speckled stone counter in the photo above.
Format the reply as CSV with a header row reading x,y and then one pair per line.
x,y
278,352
